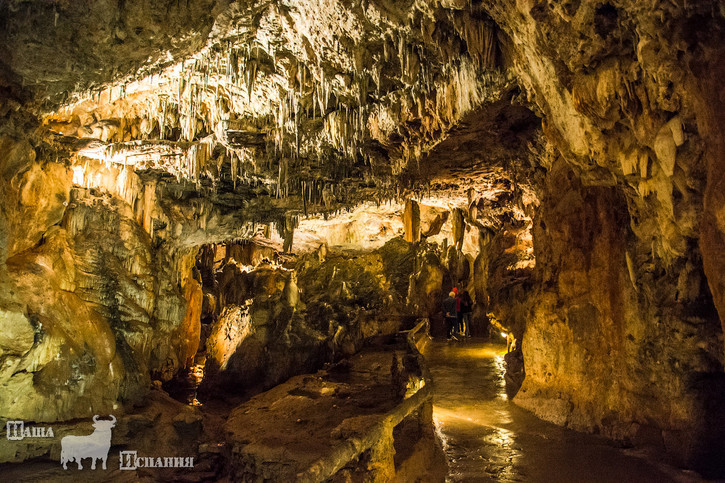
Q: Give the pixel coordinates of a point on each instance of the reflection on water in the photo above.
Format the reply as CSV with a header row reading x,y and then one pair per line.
x,y
487,438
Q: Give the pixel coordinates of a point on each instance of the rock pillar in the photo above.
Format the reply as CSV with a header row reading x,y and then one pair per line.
x,y
411,221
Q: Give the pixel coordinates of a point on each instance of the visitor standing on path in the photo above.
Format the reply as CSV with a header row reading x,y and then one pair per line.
x,y
450,313
465,313
459,313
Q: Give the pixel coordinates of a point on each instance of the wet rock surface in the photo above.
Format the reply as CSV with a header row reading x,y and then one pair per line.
x,y
488,438
360,418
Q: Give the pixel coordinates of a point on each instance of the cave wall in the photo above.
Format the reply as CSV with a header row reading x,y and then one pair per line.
x,y
268,315
608,349
274,319
93,306
259,336
128,233
708,69
620,89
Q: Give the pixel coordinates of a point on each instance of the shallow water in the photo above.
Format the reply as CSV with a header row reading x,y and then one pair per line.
x,y
487,438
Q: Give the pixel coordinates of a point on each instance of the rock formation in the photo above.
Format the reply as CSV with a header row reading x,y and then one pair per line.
x,y
227,181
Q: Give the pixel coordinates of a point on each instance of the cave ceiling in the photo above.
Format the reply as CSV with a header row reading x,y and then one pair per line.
x,y
276,107
266,110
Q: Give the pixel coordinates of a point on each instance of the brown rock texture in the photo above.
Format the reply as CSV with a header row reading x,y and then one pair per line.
x,y
344,423
411,221
604,351
624,111
134,134
269,322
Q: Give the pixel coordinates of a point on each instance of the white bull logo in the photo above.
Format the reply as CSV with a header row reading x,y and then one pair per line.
x,y
94,446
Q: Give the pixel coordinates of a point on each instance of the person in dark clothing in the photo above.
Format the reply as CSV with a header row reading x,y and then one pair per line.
x,y
459,313
450,313
465,313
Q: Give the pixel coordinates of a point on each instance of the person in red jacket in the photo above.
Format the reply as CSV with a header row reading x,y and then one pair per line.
x,y
459,314
450,313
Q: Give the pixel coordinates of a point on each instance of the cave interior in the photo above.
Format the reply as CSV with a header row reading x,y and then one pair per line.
x,y
221,220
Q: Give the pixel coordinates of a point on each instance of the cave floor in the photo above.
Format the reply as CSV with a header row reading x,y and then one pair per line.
x,y
487,438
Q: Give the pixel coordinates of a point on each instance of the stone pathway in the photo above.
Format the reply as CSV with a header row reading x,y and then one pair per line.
x,y
487,438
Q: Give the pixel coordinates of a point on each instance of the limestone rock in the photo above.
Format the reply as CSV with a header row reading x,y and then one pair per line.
x,y
609,115
411,221
604,317
17,334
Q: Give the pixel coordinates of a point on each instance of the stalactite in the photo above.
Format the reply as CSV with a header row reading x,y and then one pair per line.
x,y
162,124
217,86
234,160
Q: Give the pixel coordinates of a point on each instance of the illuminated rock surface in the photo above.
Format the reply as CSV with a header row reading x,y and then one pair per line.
x,y
217,191
487,438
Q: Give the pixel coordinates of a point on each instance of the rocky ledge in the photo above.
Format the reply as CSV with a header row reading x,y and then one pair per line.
x,y
362,417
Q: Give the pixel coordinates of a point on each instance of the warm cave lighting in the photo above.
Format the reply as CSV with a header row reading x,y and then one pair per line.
x,y
474,421
264,206
196,374
78,175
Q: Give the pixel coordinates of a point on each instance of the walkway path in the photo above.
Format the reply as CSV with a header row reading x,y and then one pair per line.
x,y
487,438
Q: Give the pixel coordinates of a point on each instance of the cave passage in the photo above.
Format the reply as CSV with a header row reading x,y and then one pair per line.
x,y
228,228
487,438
